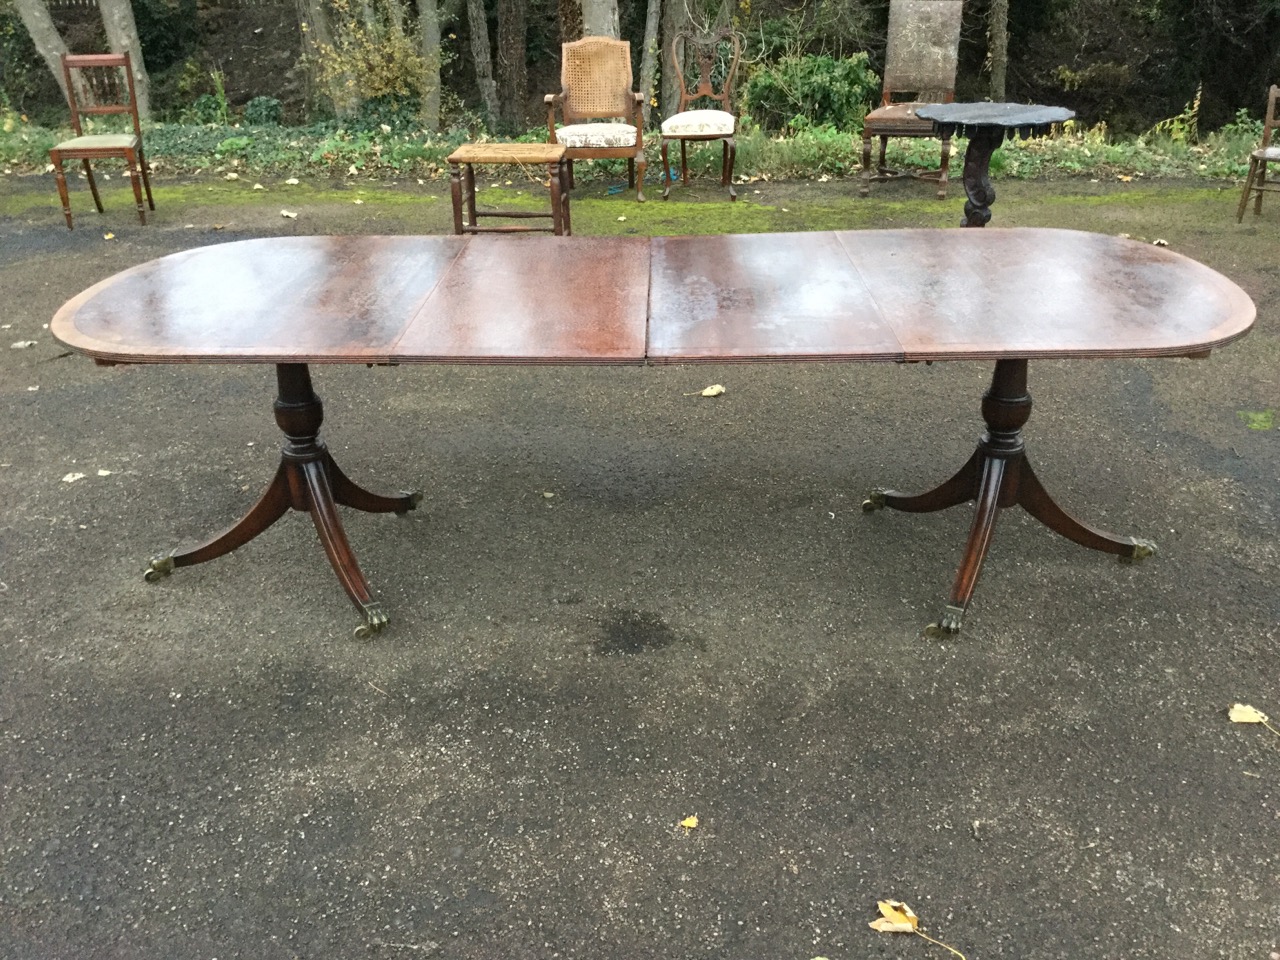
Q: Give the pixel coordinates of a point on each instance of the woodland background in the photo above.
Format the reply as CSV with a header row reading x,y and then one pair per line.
x,y
453,64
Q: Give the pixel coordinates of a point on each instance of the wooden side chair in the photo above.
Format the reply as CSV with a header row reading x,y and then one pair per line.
x,y
100,84
596,84
1256,183
920,68
716,58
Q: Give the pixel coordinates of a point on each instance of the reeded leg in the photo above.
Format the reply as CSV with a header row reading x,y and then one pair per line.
x,y
640,163
960,488
61,179
975,549
324,514
307,480
271,506
350,494
93,184
1033,498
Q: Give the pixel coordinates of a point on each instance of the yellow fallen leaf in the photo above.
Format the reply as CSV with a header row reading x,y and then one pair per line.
x,y
1243,713
258,186
895,917
1123,179
289,214
622,219
714,390
232,176
108,236
357,201
690,823
292,181
72,477
104,473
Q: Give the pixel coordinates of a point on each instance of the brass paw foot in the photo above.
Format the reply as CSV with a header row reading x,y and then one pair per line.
x,y
1141,550
412,499
874,501
159,568
949,625
374,621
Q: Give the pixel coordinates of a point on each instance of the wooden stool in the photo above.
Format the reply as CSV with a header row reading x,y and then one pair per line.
x,y
463,185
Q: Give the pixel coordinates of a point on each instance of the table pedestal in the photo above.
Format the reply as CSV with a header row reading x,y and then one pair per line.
x,y
307,480
999,475
983,142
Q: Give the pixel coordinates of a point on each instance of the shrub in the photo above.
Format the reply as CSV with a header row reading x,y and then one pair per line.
x,y
263,111
822,90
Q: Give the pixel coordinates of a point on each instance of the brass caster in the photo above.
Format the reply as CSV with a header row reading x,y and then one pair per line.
x,y
374,621
949,625
1141,550
874,502
159,568
412,499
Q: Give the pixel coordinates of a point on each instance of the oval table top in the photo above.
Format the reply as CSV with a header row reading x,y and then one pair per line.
x,y
871,295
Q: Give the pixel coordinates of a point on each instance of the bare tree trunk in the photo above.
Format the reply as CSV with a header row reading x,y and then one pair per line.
x,y
122,37
569,13
652,55
48,42
313,21
600,18
480,54
429,30
675,18
998,46
513,72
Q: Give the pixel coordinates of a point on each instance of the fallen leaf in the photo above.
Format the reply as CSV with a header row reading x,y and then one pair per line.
x,y
33,389
292,181
104,473
357,201
108,236
232,176
385,128
22,344
895,917
1243,713
258,186
289,213
72,477
620,219
352,171
712,391
1123,178
690,823
1157,242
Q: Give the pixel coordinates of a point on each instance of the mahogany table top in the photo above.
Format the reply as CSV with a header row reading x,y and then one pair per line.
x,y
876,295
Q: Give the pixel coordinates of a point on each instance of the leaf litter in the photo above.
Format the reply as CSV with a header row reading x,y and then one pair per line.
x,y
897,917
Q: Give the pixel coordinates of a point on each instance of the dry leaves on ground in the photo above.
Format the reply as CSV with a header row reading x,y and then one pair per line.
x,y
897,917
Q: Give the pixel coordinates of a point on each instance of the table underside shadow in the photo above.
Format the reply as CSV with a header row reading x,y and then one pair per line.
x,y
999,475
307,480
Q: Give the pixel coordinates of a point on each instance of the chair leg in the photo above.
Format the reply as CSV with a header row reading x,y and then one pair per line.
x,y
684,162
865,187
146,176
730,159
943,167
135,178
1262,186
61,179
93,184
666,170
631,173
1248,186
570,163
883,169
640,163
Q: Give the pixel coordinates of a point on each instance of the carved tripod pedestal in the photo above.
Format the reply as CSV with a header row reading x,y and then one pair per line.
x,y
997,476
307,480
